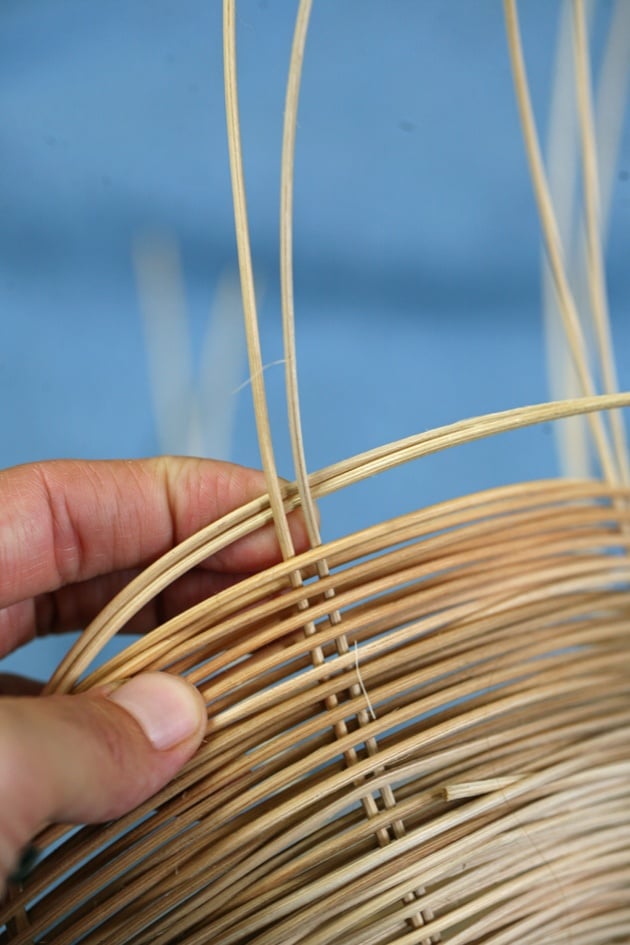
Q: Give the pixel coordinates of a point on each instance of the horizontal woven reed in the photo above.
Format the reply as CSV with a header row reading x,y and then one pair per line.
x,y
456,767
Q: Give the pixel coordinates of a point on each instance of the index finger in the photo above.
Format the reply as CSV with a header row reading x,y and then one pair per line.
x,y
66,521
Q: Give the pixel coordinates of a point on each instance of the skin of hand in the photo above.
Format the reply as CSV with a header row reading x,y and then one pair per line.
x,y
72,533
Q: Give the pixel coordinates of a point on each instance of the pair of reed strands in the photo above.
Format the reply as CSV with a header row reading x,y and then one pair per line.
x,y
417,733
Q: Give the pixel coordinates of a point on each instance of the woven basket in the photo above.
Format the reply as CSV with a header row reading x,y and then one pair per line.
x,y
417,733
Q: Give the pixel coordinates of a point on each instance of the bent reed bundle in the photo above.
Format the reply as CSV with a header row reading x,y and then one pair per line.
x,y
416,733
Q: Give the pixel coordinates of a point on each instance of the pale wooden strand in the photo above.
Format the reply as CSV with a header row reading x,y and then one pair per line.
x,y
150,582
593,226
573,437
243,521
458,513
247,280
550,233
334,884
286,268
249,301
377,460
291,380
556,780
487,747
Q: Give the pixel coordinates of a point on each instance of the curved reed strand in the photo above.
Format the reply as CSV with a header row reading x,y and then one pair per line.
x,y
286,268
247,281
369,800
553,244
255,514
595,261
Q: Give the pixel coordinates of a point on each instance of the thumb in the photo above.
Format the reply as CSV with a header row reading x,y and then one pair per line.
x,y
91,757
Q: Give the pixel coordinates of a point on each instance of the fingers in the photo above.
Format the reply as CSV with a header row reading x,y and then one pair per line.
x,y
65,522
91,757
72,608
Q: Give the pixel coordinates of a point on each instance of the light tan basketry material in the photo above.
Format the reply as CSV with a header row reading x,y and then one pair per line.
x,y
417,733
472,776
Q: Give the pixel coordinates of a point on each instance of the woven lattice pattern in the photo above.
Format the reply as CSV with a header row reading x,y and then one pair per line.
x,y
455,764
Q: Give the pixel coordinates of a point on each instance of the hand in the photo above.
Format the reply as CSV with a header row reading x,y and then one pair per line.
x,y
71,535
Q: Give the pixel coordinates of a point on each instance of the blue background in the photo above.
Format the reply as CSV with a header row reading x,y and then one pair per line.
x,y
416,236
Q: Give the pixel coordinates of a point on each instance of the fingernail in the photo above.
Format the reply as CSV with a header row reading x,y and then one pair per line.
x,y
167,709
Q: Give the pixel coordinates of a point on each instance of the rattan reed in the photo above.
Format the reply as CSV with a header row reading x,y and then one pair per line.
x,y
416,733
